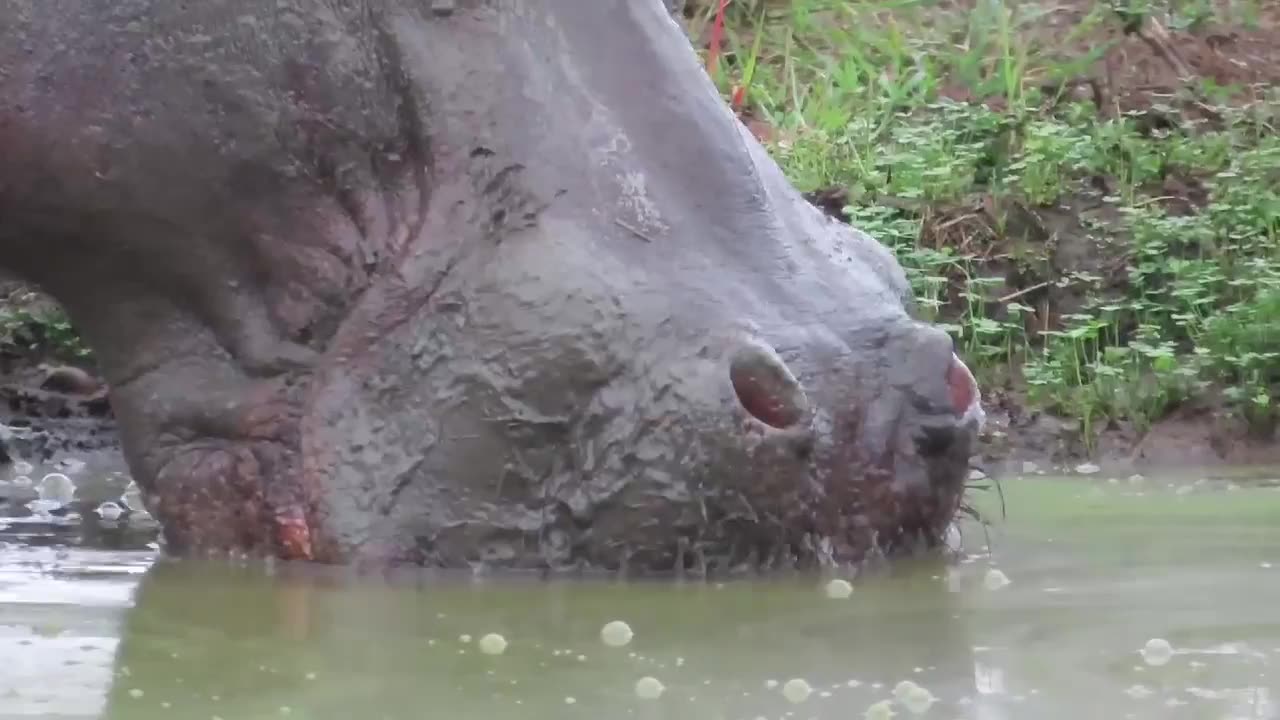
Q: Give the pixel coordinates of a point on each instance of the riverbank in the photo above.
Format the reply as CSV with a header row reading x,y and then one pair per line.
x,y
1089,201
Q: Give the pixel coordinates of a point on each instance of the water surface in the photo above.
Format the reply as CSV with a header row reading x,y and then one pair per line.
x,y
1098,568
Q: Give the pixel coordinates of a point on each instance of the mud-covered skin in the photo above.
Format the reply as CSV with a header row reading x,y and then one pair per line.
x,y
374,283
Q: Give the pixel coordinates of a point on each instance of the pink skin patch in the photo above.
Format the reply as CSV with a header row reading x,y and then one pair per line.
x,y
293,536
965,397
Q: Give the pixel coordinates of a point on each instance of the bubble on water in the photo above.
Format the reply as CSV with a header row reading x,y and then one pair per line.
x,y
464,638
853,683
286,710
649,688
616,633
570,700
976,474
839,589
796,690
1264,565
56,487
493,644
109,511
679,662
582,658
771,683
1138,692
1157,652
22,481
44,507
135,692
954,539
23,467
882,710
995,579
1087,468
310,676
1136,479
913,697
1029,467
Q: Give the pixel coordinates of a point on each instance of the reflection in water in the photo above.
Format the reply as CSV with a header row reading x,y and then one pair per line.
x,y
1097,573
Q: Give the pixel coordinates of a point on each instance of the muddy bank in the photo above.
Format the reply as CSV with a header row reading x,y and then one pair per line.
x,y
63,479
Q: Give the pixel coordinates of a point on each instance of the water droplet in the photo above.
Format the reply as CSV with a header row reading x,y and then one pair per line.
x,y
796,690
839,589
995,579
616,633
570,700
649,688
493,644
1157,652
464,638
22,467
135,692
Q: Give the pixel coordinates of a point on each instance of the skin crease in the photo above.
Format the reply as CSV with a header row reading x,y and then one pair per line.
x,y
371,284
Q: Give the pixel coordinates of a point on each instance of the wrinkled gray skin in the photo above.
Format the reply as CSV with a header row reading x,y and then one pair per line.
x,y
375,283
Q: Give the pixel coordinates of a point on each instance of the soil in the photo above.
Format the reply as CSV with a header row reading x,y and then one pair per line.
x,y
1145,71
51,406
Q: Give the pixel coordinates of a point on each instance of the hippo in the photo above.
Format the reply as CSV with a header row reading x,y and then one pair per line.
x,y
462,284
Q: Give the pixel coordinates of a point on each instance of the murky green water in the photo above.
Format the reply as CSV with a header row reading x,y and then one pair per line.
x,y
1098,569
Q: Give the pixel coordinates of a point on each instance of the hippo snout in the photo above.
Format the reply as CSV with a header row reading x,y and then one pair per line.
x,y
867,445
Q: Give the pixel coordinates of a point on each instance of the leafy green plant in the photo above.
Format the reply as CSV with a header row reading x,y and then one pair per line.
x,y
922,112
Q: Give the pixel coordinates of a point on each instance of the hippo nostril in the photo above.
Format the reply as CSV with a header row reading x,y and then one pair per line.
x,y
766,388
963,388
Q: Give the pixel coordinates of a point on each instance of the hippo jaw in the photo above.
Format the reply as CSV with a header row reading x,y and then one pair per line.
x,y
501,287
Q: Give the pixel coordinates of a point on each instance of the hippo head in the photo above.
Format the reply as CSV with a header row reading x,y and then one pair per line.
x,y
466,283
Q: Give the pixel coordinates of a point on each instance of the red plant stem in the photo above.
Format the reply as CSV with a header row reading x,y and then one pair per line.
x,y
717,36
